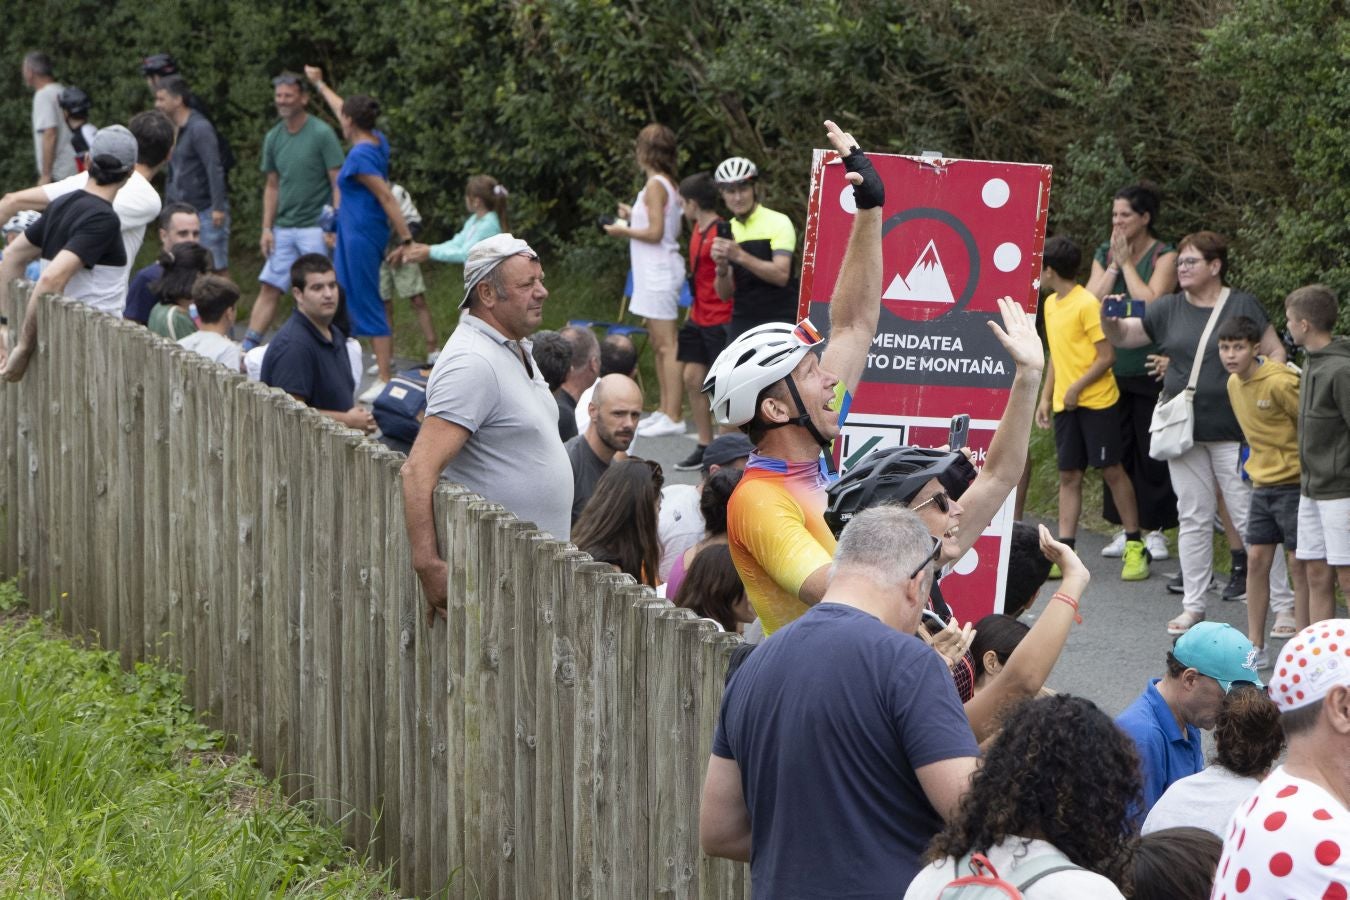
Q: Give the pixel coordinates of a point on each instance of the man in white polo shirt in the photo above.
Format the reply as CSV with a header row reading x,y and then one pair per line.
x,y
491,423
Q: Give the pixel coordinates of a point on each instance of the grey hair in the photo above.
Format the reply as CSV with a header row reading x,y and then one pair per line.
x,y
38,63
884,543
584,345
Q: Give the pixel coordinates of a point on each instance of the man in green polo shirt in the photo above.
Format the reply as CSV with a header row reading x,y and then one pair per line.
x,y
301,158
754,265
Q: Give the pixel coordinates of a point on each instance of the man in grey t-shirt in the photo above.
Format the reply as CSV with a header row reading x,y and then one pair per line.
x,y
491,423
615,408
51,137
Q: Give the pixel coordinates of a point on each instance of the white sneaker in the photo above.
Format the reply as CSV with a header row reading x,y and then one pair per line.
x,y
1115,549
1260,659
651,421
1156,545
661,426
432,357
373,369
372,392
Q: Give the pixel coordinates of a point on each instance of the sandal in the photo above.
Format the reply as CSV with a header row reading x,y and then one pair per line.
x,y
1182,623
1284,628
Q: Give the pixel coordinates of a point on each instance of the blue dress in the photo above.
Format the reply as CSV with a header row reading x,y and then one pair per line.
x,y
362,233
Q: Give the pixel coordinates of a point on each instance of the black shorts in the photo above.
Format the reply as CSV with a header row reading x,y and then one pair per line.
x,y
1087,437
700,343
1272,517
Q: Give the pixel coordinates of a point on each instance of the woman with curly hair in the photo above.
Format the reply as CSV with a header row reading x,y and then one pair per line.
x,y
1053,798
618,525
1247,740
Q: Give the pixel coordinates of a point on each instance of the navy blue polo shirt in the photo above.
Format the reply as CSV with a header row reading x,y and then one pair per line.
x,y
301,361
1165,753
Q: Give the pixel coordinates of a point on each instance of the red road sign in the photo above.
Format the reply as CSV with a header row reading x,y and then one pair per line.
x,y
956,236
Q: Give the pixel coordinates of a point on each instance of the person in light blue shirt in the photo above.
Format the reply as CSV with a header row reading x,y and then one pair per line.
x,y
485,199
1165,722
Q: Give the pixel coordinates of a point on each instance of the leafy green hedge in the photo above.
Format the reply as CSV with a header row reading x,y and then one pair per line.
x,y
1238,108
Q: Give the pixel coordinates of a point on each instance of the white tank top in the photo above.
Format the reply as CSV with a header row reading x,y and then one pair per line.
x,y
664,256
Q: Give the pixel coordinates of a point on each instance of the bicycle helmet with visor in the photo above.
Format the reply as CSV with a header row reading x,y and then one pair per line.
x,y
894,475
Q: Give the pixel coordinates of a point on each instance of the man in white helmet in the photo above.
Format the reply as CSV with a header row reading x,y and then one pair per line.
x,y
791,403
754,263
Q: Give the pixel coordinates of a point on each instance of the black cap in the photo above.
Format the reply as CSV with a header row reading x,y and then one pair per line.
x,y
726,449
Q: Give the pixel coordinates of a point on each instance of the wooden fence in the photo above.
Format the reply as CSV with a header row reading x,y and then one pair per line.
x,y
547,741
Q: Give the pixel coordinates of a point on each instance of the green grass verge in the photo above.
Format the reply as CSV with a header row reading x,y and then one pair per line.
x,y
109,788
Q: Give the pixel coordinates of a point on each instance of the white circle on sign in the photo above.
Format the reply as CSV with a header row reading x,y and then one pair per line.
x,y
995,193
846,201
1007,256
967,564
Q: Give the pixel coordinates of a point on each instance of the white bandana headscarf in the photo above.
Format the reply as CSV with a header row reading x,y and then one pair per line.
x,y
486,255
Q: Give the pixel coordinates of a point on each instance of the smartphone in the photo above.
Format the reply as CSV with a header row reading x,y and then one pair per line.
x,y
724,229
959,433
1123,308
932,621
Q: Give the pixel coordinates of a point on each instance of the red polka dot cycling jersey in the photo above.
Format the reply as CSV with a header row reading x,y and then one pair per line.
x,y
1290,840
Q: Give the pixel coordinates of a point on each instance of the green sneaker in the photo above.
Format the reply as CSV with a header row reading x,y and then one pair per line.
x,y
1136,562
1055,573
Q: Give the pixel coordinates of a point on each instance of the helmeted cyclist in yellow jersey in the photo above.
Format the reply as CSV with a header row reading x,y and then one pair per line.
x,y
792,402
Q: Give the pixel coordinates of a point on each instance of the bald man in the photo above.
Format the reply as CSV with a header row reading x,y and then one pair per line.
x,y
614,410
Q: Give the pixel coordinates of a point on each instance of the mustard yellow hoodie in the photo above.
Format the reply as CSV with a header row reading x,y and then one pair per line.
x,y
1266,406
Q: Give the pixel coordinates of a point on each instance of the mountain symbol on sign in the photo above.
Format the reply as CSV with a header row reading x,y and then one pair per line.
x,y
926,281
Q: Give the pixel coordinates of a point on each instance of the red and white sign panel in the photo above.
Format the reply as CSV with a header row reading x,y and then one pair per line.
x,y
956,236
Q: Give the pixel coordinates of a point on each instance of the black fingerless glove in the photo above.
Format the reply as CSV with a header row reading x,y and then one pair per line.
x,y
958,476
872,192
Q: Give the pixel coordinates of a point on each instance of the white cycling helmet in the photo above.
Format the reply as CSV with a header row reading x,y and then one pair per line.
x,y
22,219
763,355
735,170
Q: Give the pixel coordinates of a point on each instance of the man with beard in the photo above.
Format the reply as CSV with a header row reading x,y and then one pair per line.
x,y
615,407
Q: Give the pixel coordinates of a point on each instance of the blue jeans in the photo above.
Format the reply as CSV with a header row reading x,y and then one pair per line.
x,y
217,240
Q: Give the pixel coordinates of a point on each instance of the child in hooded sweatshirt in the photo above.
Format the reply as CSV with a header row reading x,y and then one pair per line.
x,y
1264,396
1323,445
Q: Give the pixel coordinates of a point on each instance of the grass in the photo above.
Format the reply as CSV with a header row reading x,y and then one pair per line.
x,y
109,788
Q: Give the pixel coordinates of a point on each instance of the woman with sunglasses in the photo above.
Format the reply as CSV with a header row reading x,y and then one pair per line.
x,y
926,481
618,525
1176,322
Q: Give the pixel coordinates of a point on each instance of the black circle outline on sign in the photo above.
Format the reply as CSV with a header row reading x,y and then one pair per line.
x,y
955,224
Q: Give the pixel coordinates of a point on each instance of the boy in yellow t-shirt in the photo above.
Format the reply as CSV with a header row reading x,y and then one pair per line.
x,y
1082,393
1264,395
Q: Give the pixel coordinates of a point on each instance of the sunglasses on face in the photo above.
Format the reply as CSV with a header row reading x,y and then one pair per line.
x,y
940,499
930,558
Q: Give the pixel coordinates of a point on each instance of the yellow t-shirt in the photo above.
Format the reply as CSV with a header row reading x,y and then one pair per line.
x,y
1073,326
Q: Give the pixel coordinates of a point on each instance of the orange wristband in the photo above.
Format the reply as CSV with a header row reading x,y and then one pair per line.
x,y
1060,595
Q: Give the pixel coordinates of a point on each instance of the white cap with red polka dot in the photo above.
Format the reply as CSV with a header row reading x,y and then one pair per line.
x,y
1313,662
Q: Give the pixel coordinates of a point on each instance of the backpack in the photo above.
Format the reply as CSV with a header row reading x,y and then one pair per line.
x,y
984,882
402,404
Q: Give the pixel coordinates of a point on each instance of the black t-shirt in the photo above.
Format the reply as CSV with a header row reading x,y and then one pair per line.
x,y
85,225
586,471
301,362
567,416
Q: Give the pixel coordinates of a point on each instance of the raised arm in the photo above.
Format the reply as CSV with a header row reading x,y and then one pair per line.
x,y
1007,454
330,96
855,303
1033,659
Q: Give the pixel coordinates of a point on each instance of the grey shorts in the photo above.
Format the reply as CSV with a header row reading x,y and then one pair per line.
x,y
1272,517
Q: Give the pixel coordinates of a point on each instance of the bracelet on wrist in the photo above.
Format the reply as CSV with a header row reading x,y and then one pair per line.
x,y
1061,596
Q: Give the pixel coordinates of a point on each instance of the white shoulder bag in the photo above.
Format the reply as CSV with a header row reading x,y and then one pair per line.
x,y
1172,431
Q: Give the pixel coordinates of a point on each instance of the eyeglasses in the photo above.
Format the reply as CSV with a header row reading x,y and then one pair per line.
x,y
930,558
1190,262
940,499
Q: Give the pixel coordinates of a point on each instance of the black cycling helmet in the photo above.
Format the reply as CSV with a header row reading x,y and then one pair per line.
x,y
75,102
894,475
159,64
